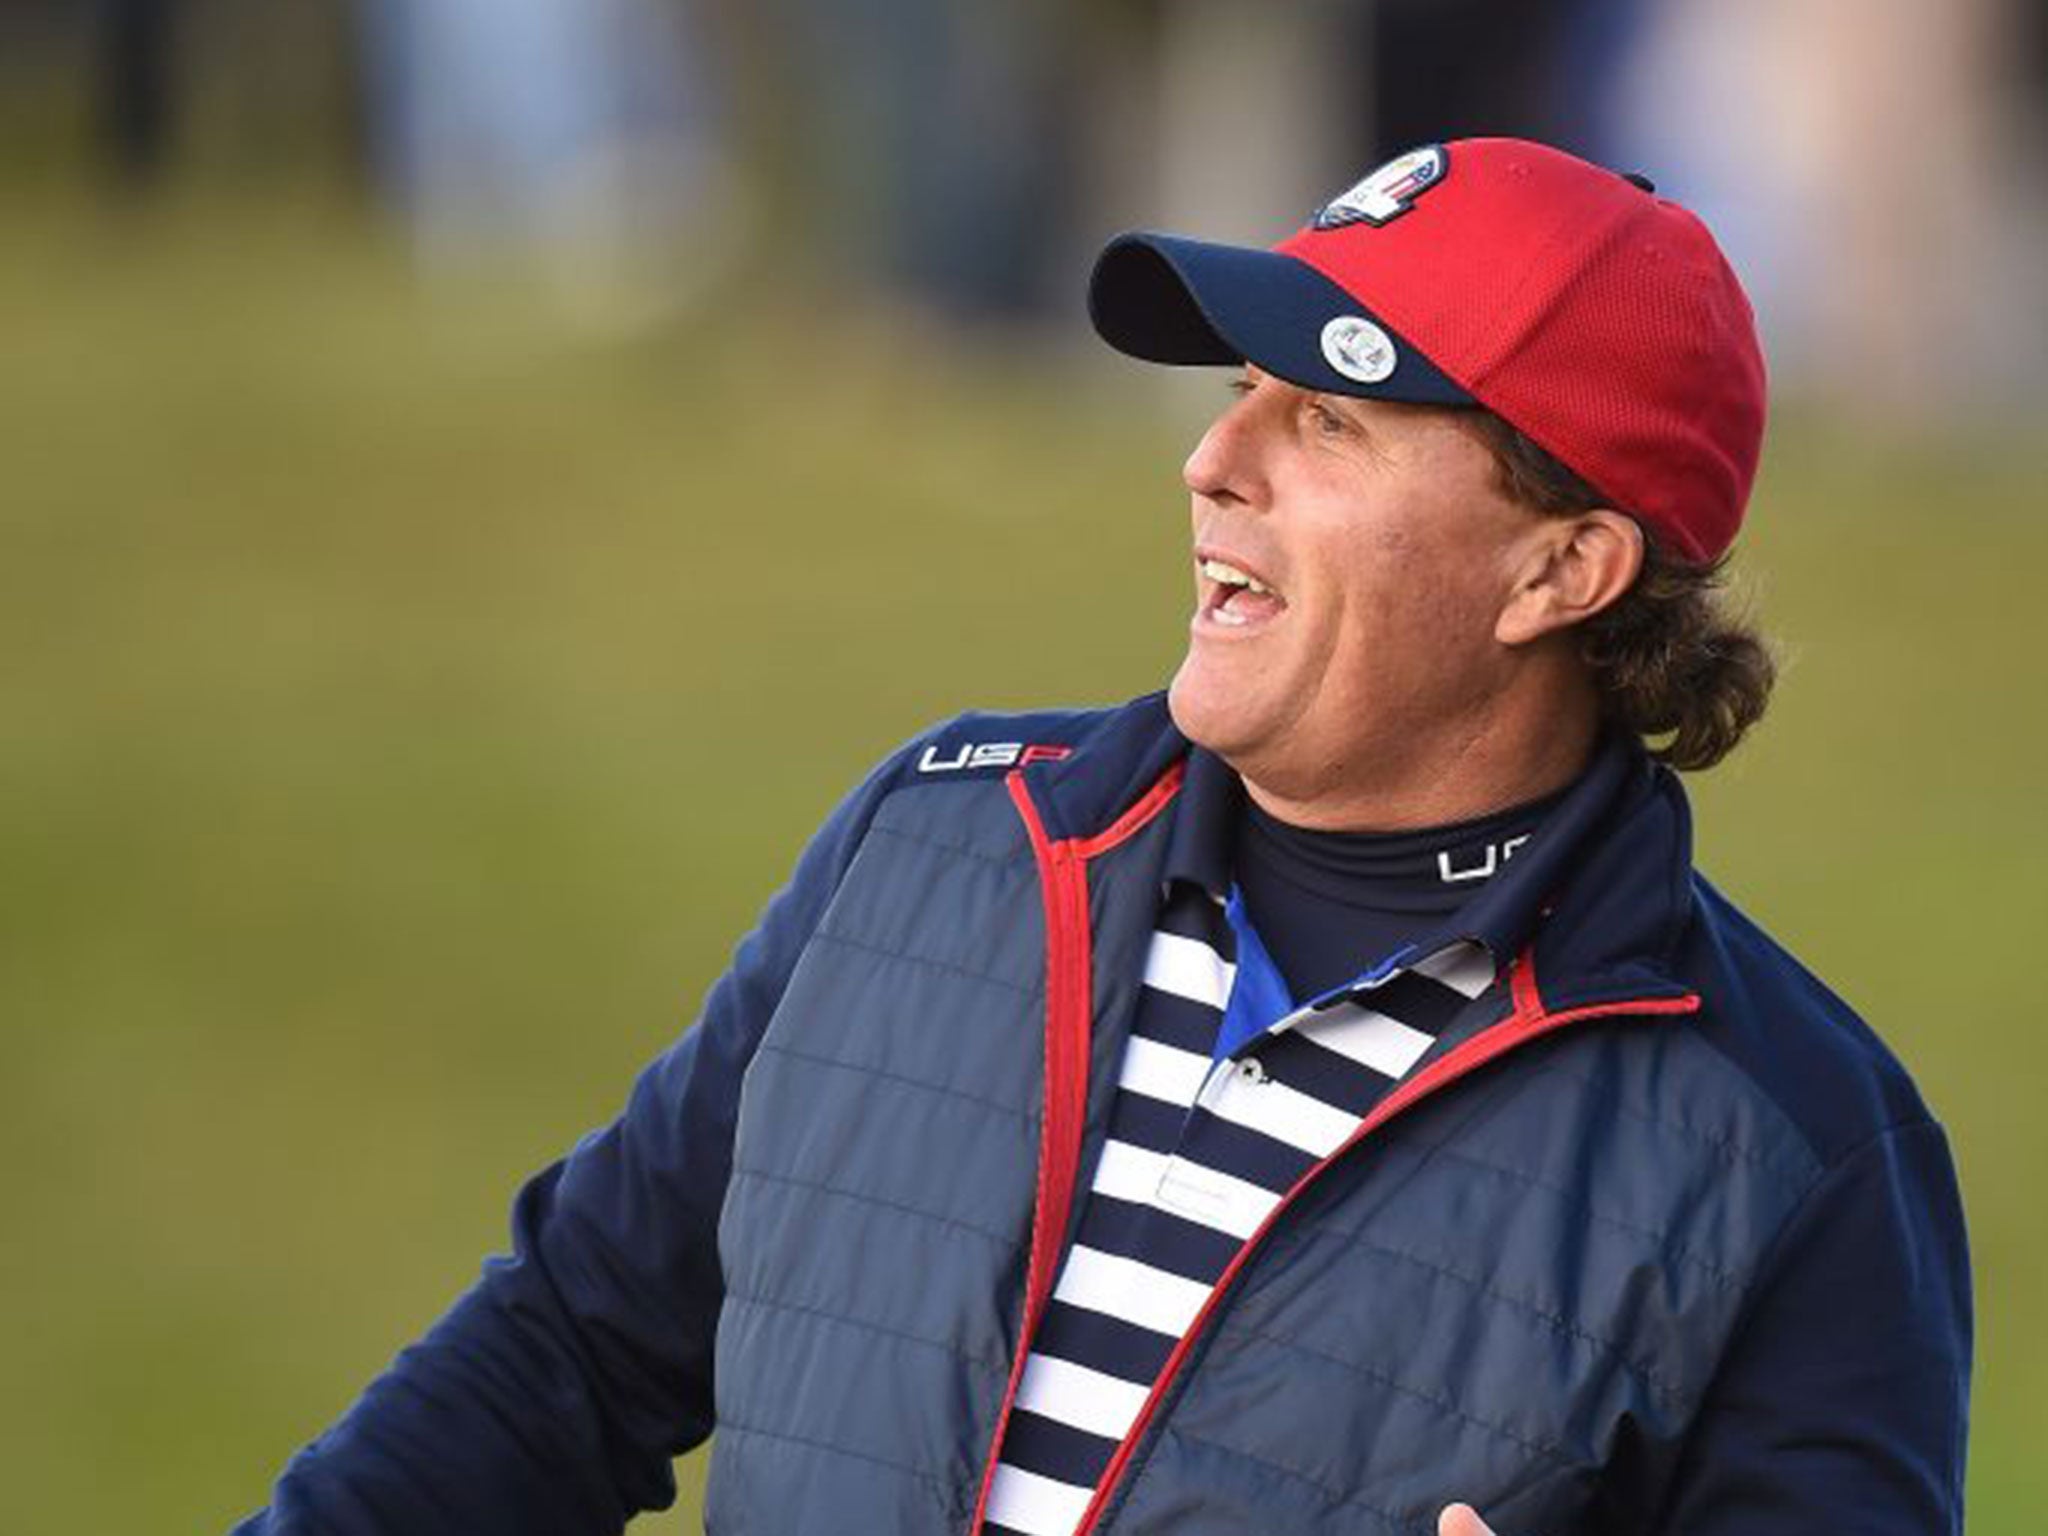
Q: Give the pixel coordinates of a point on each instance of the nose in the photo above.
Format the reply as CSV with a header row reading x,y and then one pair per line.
x,y
1224,465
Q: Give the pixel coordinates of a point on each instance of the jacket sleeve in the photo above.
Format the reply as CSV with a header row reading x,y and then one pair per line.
x,y
1844,1402
553,1396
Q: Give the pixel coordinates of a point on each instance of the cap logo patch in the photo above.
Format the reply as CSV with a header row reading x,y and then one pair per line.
x,y
1358,349
1387,192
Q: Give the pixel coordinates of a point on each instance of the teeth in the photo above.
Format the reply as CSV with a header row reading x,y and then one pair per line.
x,y
1230,576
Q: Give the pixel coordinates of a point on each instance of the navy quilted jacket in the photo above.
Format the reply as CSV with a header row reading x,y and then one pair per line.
x,y
1657,1239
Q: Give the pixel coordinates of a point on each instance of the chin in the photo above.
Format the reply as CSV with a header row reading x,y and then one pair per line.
x,y
1209,712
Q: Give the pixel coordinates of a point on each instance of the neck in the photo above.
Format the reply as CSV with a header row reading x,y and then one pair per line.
x,y
1521,751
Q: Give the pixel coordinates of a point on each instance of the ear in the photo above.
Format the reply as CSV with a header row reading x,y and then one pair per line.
x,y
1575,567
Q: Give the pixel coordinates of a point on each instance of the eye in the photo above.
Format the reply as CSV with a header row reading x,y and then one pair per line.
x,y
1239,386
1328,420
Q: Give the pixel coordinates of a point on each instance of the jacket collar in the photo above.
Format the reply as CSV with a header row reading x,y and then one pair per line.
x,y
1603,895
1122,754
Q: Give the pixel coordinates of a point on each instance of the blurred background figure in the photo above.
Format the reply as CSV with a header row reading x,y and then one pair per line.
x,y
585,135
1245,103
933,146
136,97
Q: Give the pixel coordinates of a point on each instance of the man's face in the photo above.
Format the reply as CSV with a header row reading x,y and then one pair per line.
x,y
1389,551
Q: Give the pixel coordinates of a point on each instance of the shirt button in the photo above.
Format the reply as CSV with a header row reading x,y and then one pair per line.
x,y
1251,1070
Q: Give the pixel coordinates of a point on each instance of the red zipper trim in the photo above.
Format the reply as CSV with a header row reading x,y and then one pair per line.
x,y
1069,1018
1148,805
1529,1020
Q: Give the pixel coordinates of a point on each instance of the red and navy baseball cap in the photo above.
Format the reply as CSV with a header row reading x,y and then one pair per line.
x,y
1598,318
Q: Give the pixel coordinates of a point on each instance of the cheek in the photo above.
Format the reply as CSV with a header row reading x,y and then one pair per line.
x,y
1410,612
1384,582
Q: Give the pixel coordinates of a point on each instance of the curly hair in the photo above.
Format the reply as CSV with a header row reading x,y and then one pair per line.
x,y
1671,663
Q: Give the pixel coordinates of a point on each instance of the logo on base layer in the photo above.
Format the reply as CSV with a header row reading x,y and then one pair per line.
x,y
1387,192
1359,350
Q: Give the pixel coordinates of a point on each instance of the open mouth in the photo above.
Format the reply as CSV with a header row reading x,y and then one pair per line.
x,y
1233,597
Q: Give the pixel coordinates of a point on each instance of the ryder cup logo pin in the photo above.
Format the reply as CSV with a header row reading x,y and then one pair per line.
x,y
1387,192
1358,349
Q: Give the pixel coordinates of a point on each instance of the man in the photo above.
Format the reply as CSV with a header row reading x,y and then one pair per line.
x,y
1321,1099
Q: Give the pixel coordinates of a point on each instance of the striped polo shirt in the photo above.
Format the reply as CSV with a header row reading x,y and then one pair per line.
x,y
1227,1094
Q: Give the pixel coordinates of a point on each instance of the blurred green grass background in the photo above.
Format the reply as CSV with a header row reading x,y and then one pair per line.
x,y
407,706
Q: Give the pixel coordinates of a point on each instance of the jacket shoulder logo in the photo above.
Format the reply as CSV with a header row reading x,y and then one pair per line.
x,y
989,754
1387,192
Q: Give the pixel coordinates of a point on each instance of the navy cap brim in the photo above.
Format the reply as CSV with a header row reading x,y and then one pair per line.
x,y
1165,299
